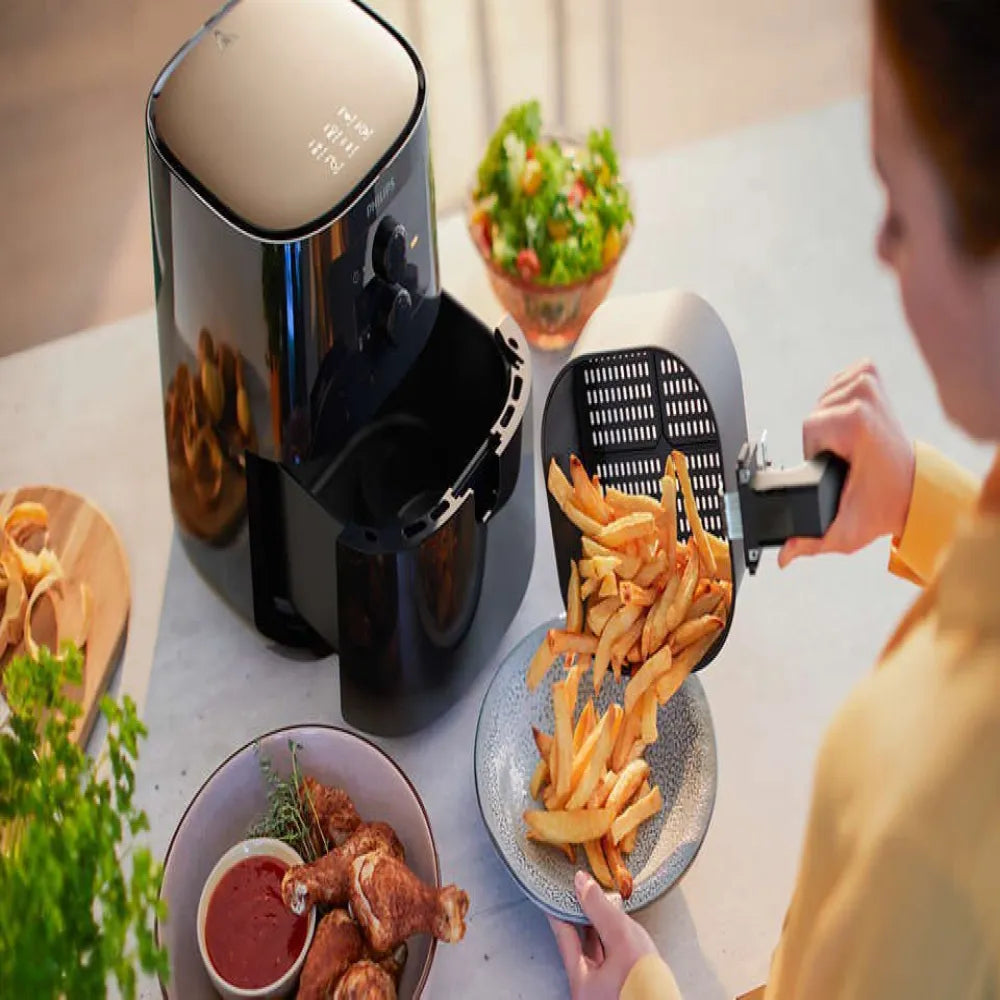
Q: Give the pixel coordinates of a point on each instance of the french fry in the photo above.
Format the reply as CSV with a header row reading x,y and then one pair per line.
x,y
726,587
595,767
649,707
723,558
581,758
561,642
654,632
599,566
649,805
563,738
589,587
588,495
559,486
685,591
619,872
617,719
574,602
632,593
553,759
619,624
598,865
635,653
600,614
627,503
689,632
686,661
706,603
605,786
584,725
539,778
609,586
540,665
627,735
583,521
625,529
629,562
636,751
623,646
572,682
646,677
651,570
568,827
668,501
627,846
694,518
543,741
628,782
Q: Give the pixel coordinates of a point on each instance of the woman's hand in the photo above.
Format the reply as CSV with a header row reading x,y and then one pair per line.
x,y
854,421
598,966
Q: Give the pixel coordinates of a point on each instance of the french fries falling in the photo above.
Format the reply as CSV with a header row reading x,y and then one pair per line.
x,y
637,596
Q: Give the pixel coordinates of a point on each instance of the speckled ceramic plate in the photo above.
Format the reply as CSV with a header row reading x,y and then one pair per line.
x,y
683,763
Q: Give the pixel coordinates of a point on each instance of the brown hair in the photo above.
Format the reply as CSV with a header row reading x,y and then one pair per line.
x,y
947,56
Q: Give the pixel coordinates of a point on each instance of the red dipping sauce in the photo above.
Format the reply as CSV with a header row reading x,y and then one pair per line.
x,y
251,937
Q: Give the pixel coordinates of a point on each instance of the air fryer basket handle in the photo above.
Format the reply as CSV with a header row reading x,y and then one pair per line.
x,y
779,504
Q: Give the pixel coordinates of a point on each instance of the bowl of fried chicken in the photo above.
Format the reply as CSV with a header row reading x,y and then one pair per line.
x,y
360,868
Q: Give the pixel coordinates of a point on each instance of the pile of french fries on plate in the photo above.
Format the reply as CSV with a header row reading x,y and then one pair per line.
x,y
639,602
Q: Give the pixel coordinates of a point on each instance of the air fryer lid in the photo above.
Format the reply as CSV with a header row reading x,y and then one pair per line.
x,y
278,109
656,373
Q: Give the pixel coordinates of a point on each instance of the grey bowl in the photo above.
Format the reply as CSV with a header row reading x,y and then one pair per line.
x,y
683,763
234,796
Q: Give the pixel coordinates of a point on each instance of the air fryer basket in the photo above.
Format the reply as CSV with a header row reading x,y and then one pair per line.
x,y
650,374
656,373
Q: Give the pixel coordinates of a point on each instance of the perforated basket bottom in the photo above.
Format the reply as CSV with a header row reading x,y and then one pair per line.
x,y
633,409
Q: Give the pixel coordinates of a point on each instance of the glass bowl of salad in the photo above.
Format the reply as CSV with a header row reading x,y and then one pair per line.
x,y
551,218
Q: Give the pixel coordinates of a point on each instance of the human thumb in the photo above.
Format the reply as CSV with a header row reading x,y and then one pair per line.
x,y
794,548
601,911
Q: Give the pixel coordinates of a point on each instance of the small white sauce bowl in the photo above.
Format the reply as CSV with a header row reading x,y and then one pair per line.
x,y
258,847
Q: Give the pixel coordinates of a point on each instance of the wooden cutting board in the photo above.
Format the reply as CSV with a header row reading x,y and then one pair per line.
x,y
91,552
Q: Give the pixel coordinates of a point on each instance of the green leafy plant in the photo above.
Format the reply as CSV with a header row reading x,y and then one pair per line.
x,y
291,815
70,916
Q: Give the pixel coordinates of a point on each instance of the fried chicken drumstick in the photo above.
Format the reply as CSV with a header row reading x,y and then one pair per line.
x,y
391,903
336,946
327,880
365,981
332,816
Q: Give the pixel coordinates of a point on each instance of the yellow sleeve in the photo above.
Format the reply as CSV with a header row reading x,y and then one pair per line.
x,y
897,925
650,979
943,495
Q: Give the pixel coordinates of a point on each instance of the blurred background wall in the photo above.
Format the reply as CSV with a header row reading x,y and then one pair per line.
x,y
74,75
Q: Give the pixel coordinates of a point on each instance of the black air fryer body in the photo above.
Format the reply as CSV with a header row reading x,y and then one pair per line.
x,y
345,442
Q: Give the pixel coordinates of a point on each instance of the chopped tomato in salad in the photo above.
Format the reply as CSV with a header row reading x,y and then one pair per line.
x,y
549,214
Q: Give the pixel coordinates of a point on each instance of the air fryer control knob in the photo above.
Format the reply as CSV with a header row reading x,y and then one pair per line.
x,y
394,309
389,250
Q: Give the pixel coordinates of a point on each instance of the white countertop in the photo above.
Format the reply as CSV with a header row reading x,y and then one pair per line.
x,y
774,225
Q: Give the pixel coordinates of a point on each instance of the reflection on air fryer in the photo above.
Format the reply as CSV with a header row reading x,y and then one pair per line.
x,y
209,424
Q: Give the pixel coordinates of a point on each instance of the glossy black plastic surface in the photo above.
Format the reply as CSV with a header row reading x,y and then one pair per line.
x,y
385,551
349,451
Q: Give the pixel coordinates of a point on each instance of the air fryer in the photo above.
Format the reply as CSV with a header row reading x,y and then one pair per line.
x,y
345,442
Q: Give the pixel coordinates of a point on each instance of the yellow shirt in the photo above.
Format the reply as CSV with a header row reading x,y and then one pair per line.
x,y
898,890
